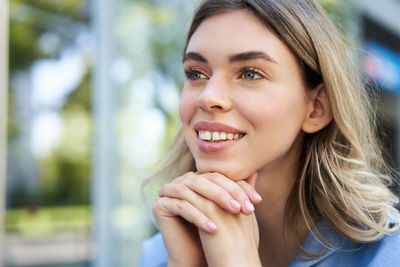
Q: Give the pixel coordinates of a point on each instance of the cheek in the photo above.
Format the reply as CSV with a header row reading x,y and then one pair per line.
x,y
275,118
267,109
257,109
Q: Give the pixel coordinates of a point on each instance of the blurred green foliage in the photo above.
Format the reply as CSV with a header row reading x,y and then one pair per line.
x,y
29,20
43,222
64,173
342,12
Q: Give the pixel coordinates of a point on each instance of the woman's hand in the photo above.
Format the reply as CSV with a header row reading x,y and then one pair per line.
x,y
187,202
237,239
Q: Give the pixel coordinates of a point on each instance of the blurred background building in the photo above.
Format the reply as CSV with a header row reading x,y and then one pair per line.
x,y
93,97
379,30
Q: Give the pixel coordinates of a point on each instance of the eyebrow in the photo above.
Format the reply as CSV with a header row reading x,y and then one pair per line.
x,y
194,56
249,55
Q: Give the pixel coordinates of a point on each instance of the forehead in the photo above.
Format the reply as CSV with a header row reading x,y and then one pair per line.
x,y
236,31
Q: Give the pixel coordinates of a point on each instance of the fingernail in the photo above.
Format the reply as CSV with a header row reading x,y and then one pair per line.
x,y
211,226
159,191
248,205
235,204
257,196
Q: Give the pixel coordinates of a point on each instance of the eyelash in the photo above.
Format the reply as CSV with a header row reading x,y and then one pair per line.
x,y
250,69
191,71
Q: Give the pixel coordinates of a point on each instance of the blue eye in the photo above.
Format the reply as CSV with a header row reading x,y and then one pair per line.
x,y
194,75
250,74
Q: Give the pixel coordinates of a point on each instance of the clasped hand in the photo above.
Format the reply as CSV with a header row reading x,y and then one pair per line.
x,y
208,219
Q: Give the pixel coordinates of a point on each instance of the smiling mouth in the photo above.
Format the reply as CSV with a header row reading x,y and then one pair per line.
x,y
218,136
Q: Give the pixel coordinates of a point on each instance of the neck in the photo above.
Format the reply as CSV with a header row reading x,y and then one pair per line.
x,y
270,213
274,184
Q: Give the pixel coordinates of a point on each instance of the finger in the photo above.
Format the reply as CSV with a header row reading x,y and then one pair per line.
x,y
176,207
194,187
183,177
248,186
234,189
252,179
210,190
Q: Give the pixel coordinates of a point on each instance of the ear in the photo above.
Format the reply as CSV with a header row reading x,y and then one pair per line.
x,y
319,113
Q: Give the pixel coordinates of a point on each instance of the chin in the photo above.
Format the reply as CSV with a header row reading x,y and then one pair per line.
x,y
230,172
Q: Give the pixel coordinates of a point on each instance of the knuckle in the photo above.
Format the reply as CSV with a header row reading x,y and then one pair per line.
x,y
213,176
161,190
243,185
221,195
159,203
192,182
237,191
192,178
156,208
180,188
181,204
189,174
218,176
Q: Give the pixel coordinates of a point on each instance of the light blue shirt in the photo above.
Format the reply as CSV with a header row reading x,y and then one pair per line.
x,y
385,252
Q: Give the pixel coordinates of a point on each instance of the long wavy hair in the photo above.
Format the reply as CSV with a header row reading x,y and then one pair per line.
x,y
342,177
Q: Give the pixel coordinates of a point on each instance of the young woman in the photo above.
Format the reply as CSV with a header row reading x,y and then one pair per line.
x,y
274,113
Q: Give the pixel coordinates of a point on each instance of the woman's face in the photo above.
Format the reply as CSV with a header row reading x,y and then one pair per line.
x,y
243,102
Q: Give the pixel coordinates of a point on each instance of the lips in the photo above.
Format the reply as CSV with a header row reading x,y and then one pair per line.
x,y
214,137
216,127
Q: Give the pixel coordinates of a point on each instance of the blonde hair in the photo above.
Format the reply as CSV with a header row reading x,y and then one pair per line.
x,y
343,177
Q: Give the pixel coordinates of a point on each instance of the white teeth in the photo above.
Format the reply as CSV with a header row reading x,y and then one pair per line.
x,y
222,136
217,136
205,135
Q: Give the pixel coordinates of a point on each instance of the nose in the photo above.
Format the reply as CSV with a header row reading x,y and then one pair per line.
x,y
215,96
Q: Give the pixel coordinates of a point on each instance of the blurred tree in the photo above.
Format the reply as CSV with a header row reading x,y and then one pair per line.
x,y
29,20
44,29
342,12
66,171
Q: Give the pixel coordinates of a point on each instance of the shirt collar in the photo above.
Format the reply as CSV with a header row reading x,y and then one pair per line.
x,y
328,240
